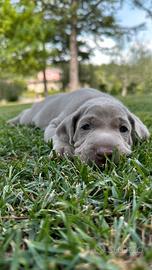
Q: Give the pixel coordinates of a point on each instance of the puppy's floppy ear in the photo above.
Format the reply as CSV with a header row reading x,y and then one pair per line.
x,y
139,130
66,129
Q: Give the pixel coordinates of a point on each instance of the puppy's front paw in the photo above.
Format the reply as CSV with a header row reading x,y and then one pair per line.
x,y
62,151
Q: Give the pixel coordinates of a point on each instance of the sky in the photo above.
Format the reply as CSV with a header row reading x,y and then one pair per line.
x,y
127,17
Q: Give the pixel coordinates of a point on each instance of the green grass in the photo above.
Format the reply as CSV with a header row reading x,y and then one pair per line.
x,y
55,214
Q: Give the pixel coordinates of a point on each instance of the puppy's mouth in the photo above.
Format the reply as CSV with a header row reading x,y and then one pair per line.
x,y
102,156
105,159
102,161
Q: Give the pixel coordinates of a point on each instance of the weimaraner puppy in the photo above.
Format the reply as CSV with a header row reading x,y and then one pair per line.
x,y
86,123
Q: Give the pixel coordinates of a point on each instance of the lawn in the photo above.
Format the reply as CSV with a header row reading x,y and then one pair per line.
x,y
57,214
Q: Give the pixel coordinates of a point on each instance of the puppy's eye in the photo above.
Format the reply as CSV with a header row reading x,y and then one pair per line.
x,y
85,127
123,129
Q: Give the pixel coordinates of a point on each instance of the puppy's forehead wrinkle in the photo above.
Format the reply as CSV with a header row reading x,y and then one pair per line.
x,y
106,109
104,115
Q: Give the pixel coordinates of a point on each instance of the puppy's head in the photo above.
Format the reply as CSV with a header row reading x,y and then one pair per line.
x,y
99,130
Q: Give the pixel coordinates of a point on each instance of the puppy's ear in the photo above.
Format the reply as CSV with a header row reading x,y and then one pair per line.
x,y
139,130
66,129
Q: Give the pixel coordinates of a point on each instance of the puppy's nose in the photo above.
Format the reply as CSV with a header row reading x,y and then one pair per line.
x,y
102,153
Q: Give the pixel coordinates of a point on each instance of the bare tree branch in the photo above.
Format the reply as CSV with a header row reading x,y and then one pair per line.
x,y
90,12
143,7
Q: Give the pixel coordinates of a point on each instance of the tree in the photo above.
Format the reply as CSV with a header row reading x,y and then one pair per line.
x,y
134,76
36,33
25,34
142,67
77,21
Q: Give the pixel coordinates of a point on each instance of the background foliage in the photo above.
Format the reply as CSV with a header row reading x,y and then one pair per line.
x,y
38,34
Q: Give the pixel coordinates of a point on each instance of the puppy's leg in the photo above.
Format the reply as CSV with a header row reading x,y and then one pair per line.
x,y
19,119
61,147
24,118
15,120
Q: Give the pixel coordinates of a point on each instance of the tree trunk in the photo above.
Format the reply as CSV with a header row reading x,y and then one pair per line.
x,y
74,65
44,72
124,88
45,83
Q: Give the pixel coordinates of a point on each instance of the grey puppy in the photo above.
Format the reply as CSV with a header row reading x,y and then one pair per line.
x,y
86,123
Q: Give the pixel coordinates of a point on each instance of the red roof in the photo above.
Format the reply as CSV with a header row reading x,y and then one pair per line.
x,y
52,74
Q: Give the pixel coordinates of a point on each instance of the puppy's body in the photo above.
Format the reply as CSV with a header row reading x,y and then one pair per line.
x,y
54,106
86,122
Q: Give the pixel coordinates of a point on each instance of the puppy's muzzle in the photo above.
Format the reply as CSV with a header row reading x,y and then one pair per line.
x,y
102,153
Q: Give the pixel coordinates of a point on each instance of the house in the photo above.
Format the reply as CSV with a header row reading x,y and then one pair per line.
x,y
53,78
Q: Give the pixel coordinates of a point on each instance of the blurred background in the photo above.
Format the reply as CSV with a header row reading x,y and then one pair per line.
x,y
48,46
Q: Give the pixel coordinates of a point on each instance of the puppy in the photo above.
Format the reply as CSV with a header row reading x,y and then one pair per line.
x,y
86,123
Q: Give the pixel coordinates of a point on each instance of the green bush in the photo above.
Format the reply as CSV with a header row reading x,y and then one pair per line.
x,y
11,90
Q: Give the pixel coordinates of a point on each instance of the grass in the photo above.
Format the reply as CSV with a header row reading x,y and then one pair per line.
x,y
55,214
